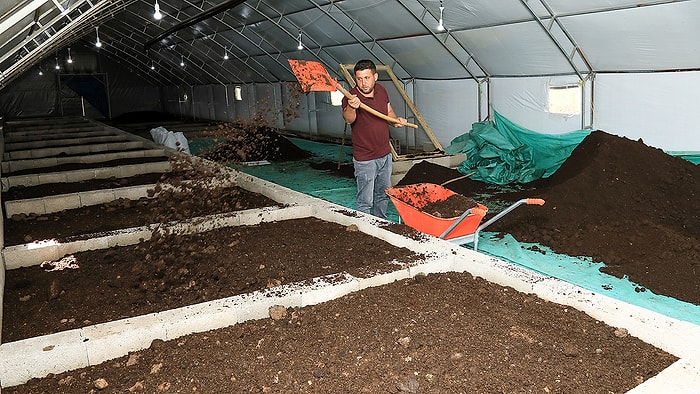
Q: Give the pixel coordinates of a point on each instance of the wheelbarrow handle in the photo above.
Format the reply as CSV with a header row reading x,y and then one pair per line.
x,y
472,211
534,201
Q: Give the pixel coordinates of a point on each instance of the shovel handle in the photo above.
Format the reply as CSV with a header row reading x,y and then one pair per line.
x,y
372,110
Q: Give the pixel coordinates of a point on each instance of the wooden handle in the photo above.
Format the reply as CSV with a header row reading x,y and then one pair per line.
x,y
372,110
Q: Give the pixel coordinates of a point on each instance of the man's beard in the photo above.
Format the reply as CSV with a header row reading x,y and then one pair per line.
x,y
367,92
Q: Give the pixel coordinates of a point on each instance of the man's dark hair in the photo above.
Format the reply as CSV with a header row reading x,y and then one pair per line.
x,y
365,64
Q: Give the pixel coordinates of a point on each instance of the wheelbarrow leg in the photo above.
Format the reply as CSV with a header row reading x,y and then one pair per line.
x,y
528,201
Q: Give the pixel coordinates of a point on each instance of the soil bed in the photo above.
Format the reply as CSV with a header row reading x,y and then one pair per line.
x,y
52,189
398,338
125,213
173,271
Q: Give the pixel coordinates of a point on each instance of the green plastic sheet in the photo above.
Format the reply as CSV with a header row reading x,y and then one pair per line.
x,y
501,152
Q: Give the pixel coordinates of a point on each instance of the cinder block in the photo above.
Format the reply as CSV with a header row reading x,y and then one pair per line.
x,y
96,197
132,192
256,305
383,279
37,357
108,172
432,265
328,288
62,202
198,318
53,177
30,205
117,338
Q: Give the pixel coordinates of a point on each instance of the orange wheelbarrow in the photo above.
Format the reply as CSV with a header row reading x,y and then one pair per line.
x,y
410,199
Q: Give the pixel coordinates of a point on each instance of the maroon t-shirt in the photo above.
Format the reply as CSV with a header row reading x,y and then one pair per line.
x,y
370,134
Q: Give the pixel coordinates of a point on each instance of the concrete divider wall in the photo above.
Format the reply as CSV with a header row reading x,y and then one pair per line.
x,y
19,165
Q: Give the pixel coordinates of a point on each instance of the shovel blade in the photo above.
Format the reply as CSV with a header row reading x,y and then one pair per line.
x,y
312,76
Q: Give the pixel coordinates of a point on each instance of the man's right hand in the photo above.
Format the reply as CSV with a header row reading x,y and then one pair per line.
x,y
354,102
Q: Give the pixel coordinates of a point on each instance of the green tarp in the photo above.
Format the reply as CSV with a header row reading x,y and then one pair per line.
x,y
502,152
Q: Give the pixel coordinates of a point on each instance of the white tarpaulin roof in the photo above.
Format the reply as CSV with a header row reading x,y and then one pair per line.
x,y
482,38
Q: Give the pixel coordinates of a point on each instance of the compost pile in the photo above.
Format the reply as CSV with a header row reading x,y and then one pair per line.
x,y
631,206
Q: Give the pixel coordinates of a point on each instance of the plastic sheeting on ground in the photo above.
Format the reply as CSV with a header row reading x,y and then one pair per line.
x,y
502,152
693,157
583,272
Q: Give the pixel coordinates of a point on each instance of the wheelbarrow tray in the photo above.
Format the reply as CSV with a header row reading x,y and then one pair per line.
x,y
410,199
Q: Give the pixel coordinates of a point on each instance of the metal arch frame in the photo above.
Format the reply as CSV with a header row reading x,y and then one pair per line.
x,y
35,50
569,57
374,41
133,32
448,35
548,30
232,46
240,33
58,39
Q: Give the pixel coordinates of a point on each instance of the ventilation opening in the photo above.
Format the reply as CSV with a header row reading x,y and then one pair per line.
x,y
565,99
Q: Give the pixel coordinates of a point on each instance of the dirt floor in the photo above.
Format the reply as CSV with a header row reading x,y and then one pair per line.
x,y
447,333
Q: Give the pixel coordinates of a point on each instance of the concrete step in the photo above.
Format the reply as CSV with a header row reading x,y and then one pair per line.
x,y
18,165
61,202
15,146
11,137
85,174
77,149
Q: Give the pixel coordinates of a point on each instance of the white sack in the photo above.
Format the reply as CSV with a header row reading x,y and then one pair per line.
x,y
175,140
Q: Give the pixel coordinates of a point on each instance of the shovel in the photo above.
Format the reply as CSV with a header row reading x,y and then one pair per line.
x,y
313,77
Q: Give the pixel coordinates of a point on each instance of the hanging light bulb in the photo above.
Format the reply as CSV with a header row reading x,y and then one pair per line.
x,y
153,67
41,72
182,61
70,59
98,43
225,53
300,46
440,26
57,66
156,12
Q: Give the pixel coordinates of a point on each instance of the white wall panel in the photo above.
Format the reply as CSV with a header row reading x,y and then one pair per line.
x,y
448,107
659,108
524,101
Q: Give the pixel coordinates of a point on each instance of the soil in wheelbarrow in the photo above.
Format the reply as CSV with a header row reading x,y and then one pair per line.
x,y
631,206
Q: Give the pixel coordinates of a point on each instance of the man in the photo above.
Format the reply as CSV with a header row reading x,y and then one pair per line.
x,y
370,139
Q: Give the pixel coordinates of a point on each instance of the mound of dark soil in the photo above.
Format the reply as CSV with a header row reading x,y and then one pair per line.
x,y
619,201
236,143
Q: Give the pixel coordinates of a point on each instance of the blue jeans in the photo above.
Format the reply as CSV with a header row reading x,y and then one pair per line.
x,y
373,178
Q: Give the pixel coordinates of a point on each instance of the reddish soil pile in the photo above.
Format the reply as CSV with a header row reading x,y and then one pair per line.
x,y
239,142
619,201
